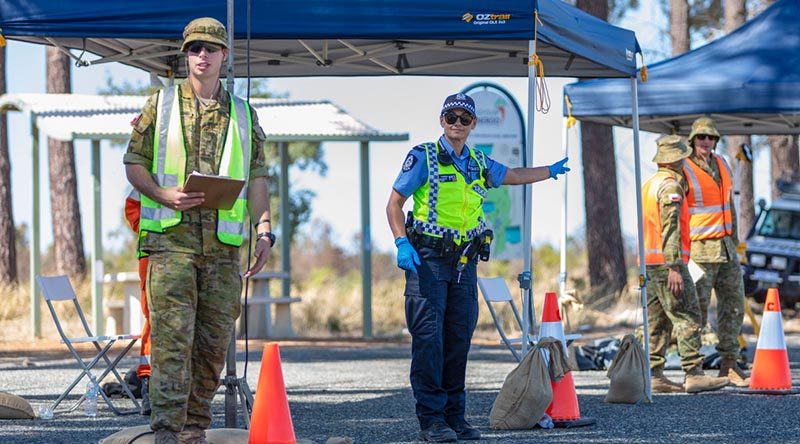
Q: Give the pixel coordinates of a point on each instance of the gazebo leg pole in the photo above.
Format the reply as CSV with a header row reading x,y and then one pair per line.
x,y
640,226
525,278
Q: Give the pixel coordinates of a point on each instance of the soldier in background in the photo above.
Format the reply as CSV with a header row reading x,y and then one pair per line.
x,y
714,241
671,295
193,281
133,209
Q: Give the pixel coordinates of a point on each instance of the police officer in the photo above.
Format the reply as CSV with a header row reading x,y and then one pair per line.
x,y
671,296
448,181
714,241
193,279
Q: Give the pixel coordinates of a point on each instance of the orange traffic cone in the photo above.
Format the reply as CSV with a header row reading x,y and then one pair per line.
x,y
271,420
564,408
771,372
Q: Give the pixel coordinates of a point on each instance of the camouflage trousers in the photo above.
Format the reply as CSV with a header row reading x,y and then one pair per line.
x,y
667,313
193,301
726,280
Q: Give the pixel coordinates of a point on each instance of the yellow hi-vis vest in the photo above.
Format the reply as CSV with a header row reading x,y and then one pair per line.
x,y
169,166
447,203
709,203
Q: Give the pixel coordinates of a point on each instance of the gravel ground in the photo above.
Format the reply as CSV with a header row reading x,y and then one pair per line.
x,y
361,391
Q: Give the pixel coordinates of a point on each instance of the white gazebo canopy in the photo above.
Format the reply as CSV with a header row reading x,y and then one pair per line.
x,y
68,117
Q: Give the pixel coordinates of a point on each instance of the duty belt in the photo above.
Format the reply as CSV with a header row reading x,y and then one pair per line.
x,y
440,231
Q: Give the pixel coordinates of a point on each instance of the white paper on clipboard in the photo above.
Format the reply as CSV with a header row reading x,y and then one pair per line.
x,y
695,271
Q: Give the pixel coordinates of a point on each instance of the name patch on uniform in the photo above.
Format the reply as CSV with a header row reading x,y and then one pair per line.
x,y
409,163
675,197
447,178
477,188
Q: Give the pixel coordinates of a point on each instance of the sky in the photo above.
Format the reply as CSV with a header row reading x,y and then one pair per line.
x,y
390,104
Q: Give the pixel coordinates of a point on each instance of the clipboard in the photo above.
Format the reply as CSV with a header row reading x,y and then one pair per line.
x,y
220,192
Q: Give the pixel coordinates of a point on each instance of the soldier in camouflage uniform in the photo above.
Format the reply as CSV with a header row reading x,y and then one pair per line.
x,y
194,285
716,254
671,297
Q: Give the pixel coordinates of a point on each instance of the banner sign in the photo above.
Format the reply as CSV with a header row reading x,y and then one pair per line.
x,y
500,134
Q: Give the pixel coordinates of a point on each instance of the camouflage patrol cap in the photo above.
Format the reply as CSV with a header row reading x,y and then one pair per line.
x,y
205,29
671,149
704,125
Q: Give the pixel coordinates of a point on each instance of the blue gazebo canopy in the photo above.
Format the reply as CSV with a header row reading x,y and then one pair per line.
x,y
338,37
749,81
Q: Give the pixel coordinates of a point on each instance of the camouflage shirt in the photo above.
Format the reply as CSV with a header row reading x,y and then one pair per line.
x,y
204,131
670,210
715,250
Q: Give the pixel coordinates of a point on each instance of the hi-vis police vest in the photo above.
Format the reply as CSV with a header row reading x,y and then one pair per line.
x,y
447,203
709,203
169,166
653,240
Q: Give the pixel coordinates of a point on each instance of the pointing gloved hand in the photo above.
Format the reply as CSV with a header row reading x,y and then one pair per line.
x,y
559,167
407,257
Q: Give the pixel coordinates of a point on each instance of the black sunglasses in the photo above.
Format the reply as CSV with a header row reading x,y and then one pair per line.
x,y
196,47
465,118
706,137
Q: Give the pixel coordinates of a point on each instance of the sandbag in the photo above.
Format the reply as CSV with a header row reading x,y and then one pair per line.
x,y
527,392
143,435
14,407
628,373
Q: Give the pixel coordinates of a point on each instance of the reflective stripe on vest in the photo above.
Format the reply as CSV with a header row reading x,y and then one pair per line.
x,y
452,206
169,166
653,238
709,203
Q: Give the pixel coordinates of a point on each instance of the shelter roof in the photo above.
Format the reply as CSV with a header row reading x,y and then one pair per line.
x,y
86,116
748,81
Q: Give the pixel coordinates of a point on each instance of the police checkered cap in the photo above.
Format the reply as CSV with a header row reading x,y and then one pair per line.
x,y
459,100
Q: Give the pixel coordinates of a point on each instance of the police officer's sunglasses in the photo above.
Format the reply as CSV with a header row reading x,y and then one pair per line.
x,y
706,137
196,47
451,118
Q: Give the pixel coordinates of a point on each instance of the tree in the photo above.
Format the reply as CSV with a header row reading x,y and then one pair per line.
x,y
606,253
735,16
8,255
679,26
66,213
785,162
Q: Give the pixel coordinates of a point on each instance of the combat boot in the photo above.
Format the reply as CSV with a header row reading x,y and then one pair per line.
x,y
192,435
146,410
697,381
661,384
729,368
164,436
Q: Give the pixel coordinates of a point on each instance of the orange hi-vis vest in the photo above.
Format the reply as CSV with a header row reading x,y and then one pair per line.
x,y
709,203
653,240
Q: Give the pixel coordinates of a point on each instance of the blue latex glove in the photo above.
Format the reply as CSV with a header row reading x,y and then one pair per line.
x,y
407,257
558,168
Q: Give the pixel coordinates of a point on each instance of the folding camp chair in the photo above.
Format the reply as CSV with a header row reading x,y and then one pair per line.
x,y
495,290
58,288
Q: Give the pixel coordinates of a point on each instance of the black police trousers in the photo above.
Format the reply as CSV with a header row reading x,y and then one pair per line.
x,y
441,314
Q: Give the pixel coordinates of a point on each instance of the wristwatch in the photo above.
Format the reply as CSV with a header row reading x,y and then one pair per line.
x,y
269,235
